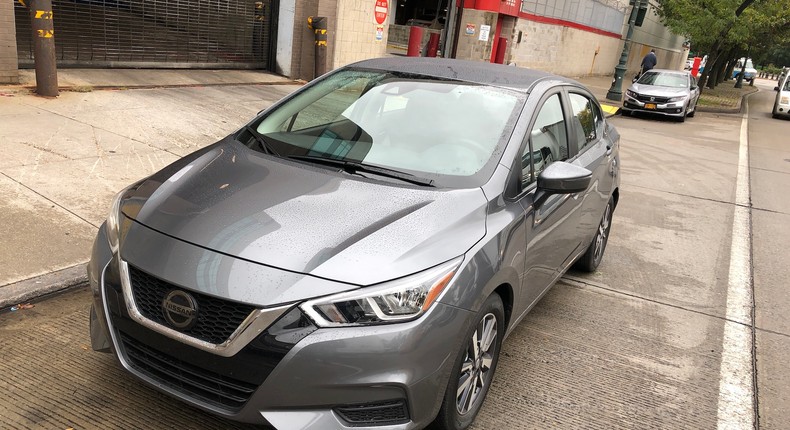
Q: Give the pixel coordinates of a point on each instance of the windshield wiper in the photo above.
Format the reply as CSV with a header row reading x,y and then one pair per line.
x,y
354,167
262,142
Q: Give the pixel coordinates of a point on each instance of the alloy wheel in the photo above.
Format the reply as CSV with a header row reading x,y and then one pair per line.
x,y
476,369
603,232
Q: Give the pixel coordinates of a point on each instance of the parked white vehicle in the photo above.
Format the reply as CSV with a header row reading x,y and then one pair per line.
x,y
782,102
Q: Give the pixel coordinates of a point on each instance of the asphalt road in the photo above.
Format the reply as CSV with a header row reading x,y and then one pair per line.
x,y
660,337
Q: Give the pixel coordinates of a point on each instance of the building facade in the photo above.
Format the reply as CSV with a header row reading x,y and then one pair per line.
x,y
568,37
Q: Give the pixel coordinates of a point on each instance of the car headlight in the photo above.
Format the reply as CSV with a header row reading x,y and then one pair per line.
x,y
631,94
395,301
112,225
784,100
677,99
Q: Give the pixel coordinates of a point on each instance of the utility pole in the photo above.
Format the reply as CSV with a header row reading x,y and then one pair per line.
x,y
44,47
616,90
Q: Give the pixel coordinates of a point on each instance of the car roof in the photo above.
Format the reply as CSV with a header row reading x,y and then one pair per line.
x,y
478,72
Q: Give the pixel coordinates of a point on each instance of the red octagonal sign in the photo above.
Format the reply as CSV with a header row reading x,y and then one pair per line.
x,y
381,11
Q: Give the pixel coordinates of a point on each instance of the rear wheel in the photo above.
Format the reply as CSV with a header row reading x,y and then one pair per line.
x,y
474,368
594,254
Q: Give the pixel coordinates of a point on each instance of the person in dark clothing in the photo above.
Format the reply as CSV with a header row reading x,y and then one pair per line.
x,y
649,61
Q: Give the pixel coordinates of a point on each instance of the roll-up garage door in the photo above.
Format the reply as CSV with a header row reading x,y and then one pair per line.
x,y
157,33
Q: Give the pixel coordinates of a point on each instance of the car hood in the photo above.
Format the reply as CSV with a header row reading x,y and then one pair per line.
x,y
306,219
653,90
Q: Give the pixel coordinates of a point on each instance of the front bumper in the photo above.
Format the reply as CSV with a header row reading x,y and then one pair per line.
x,y
781,109
305,380
674,109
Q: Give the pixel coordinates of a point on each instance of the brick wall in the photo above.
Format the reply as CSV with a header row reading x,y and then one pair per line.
x,y
470,47
355,35
8,56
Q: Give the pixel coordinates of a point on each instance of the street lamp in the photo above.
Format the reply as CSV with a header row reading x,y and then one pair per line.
x,y
616,90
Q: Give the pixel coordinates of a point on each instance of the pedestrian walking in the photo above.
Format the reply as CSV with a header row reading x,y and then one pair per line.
x,y
648,62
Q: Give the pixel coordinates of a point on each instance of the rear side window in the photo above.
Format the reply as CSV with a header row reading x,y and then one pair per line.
x,y
587,118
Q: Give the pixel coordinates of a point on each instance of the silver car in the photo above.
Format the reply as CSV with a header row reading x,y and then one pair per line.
x,y
356,254
672,93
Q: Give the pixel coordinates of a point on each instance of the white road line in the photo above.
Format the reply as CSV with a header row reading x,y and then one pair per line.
x,y
736,392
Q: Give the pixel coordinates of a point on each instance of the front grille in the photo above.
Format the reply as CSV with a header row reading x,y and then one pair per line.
x,y
211,387
375,414
643,98
217,319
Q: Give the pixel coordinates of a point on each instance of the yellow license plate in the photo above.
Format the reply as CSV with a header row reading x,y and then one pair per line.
x,y
650,105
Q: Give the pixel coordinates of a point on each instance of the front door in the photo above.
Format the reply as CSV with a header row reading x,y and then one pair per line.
x,y
551,235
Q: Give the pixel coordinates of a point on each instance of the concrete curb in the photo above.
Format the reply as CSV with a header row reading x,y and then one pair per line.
x,y
736,109
29,289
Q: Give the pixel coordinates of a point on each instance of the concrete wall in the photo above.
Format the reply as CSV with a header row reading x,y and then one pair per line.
x,y
469,46
563,50
8,56
285,37
355,35
653,34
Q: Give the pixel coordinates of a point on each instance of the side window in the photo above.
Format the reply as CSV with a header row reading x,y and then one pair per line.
x,y
548,141
587,119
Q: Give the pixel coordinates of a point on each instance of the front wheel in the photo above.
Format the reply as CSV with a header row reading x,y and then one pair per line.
x,y
594,254
474,368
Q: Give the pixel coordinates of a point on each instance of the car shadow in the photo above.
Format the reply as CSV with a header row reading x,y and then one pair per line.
x,y
653,116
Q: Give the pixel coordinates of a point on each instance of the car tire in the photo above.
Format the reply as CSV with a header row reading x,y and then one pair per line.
x,y
693,112
458,412
624,112
682,117
592,258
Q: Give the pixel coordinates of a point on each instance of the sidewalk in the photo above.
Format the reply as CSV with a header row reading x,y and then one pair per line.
x,y
64,158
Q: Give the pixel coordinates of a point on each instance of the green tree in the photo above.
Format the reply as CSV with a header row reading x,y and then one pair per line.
x,y
708,23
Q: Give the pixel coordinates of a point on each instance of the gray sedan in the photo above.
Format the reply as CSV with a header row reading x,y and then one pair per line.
x,y
356,254
672,93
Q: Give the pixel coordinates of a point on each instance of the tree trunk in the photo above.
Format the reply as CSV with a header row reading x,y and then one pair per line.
x,y
730,66
715,68
726,71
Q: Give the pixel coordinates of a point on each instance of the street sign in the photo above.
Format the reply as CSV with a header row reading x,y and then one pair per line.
x,y
380,12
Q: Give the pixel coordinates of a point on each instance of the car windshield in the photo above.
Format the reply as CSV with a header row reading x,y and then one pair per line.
x,y
662,79
449,132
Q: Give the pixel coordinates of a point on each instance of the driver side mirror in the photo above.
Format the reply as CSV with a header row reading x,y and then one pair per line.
x,y
561,178
776,88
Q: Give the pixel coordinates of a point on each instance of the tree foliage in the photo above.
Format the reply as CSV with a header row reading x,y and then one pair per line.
x,y
758,28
